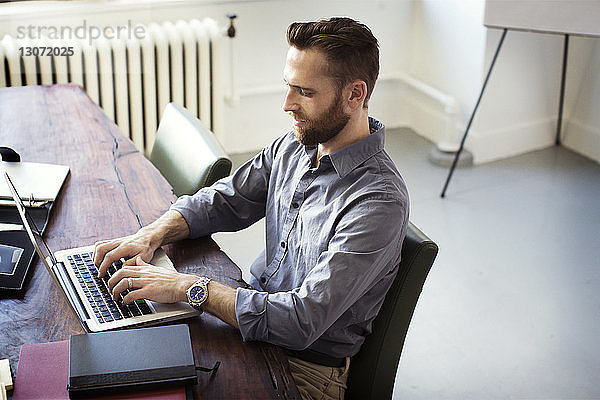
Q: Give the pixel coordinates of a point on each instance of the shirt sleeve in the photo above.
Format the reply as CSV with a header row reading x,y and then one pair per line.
x,y
364,248
232,203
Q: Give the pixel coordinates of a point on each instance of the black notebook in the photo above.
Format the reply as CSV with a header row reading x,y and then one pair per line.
x,y
134,359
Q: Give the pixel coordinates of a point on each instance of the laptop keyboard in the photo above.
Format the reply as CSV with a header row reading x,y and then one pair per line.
x,y
97,293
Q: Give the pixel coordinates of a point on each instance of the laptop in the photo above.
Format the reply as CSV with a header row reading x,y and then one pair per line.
x,y
75,273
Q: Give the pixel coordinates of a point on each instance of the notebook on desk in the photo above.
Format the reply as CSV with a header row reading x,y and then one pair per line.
x,y
37,182
75,273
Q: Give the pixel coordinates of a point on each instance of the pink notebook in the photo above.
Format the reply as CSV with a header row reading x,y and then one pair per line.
x,y
43,373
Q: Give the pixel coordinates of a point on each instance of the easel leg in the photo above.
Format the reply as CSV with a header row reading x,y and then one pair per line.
x,y
562,89
462,142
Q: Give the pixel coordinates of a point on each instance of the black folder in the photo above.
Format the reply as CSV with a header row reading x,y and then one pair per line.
x,y
128,360
16,250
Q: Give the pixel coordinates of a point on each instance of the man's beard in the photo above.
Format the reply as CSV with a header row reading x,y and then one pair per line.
x,y
323,128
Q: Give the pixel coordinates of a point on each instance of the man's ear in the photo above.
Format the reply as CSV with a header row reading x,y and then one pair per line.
x,y
358,93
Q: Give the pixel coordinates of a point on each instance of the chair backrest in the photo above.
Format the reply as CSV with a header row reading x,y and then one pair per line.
x,y
187,153
373,369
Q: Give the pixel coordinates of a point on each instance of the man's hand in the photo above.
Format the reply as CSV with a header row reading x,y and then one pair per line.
x,y
167,286
155,283
168,228
107,252
150,282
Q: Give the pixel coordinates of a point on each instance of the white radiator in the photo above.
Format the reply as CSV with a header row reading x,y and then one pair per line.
x,y
131,79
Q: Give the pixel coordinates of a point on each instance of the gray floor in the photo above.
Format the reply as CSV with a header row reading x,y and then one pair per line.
x,y
511,308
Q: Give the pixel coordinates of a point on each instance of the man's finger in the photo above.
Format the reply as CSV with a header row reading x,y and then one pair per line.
x,y
118,276
129,262
109,258
134,295
100,242
100,250
119,288
120,282
140,262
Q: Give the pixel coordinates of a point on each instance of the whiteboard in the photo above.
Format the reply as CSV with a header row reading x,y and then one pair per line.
x,y
575,17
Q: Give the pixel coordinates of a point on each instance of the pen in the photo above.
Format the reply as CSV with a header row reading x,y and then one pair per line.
x,y
35,203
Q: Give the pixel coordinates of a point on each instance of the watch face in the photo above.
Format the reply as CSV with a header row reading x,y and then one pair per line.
x,y
197,293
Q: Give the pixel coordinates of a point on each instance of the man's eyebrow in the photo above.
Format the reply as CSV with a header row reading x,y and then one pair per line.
x,y
299,87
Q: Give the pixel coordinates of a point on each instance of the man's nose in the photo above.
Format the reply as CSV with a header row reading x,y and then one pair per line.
x,y
289,103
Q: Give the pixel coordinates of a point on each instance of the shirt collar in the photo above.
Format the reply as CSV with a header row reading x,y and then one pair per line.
x,y
347,159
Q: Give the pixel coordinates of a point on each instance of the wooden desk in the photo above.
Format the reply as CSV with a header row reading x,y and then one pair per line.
x,y
111,191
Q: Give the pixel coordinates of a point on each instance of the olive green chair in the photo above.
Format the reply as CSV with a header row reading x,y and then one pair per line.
x,y
187,153
373,369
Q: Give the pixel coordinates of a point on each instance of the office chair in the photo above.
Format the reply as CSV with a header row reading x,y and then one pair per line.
x,y
186,153
373,370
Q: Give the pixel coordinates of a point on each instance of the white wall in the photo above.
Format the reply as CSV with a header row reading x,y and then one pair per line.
x,y
260,58
256,117
582,129
451,50
441,42
448,41
518,111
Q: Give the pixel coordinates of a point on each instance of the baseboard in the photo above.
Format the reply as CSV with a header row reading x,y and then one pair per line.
x,y
428,120
582,138
512,140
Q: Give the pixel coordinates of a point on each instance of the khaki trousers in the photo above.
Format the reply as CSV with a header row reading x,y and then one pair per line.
x,y
318,382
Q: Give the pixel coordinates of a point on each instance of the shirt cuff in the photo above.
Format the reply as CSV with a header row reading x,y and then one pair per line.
x,y
251,314
195,217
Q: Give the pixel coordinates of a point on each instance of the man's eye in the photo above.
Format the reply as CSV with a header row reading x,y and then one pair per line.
x,y
305,93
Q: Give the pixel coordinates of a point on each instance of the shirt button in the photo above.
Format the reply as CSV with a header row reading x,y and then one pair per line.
x,y
283,244
295,205
263,279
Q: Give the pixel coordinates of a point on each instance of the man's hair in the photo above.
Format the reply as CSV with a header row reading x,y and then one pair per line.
x,y
350,48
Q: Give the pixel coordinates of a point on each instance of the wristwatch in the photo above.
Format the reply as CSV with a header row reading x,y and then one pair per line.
x,y
198,293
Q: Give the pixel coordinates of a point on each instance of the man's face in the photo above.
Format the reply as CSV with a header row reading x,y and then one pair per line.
x,y
312,100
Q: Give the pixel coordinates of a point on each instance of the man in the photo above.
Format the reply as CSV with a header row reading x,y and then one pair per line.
x,y
336,213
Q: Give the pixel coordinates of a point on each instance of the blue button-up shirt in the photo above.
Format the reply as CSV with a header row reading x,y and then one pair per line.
x,y
333,239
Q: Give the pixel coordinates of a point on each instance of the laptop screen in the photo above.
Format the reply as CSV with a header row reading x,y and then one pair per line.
x,y
34,234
